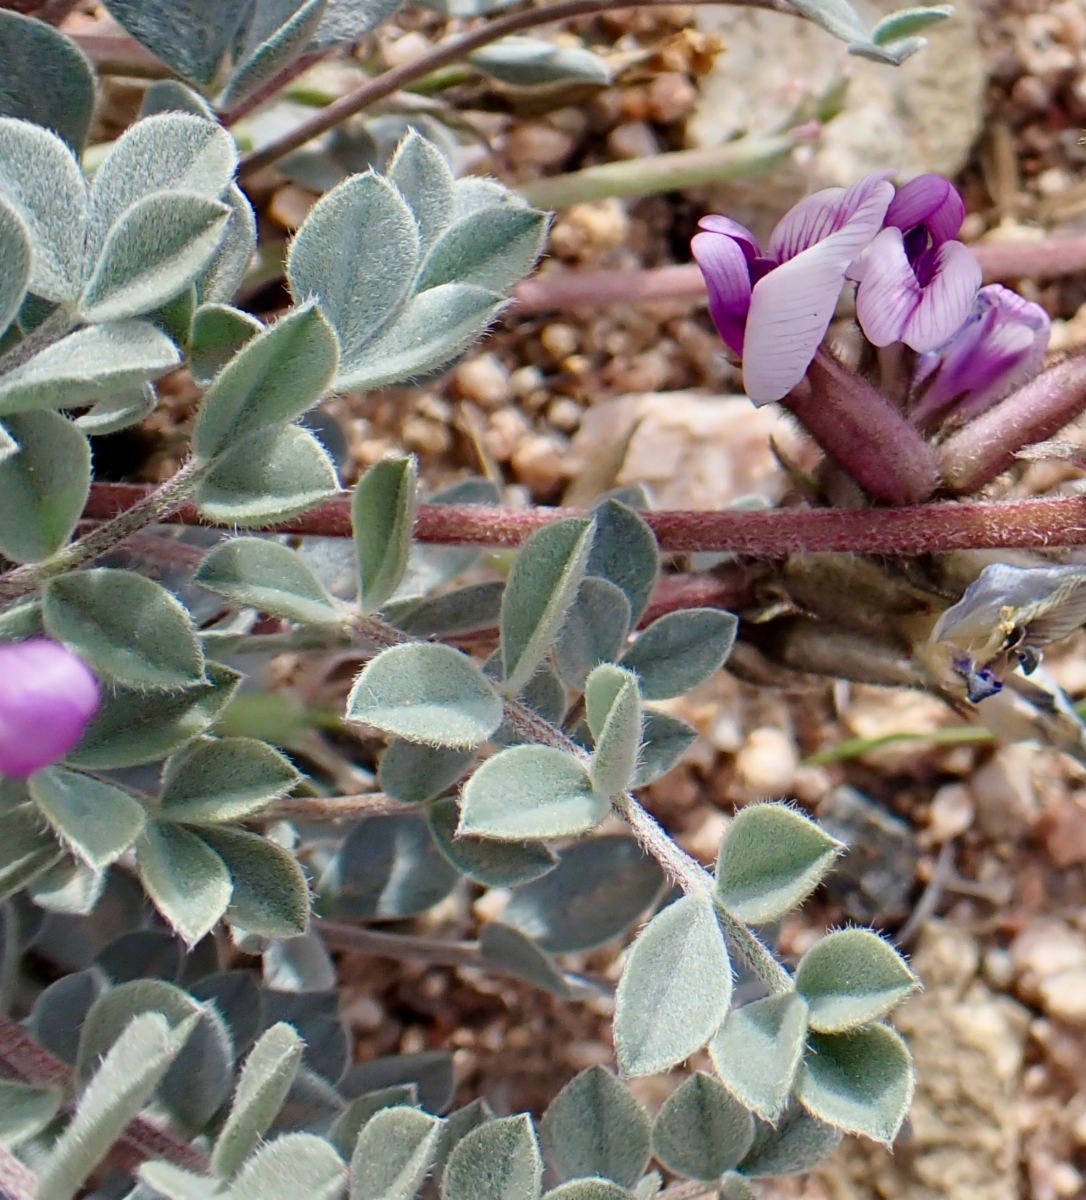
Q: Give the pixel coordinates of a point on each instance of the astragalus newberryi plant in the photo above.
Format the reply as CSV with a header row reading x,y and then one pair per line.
x,y
149,1068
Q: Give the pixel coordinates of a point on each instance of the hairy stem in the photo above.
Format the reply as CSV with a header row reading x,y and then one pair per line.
x,y
765,534
986,447
336,808
154,506
443,56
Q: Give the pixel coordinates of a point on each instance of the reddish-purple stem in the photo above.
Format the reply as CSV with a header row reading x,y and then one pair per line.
x,y
769,534
287,75
16,1181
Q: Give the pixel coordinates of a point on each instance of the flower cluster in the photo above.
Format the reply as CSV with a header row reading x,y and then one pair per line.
x,y
916,286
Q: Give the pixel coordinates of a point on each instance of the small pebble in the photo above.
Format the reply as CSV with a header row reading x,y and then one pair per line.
x,y
427,437
635,139
1031,93
588,231
484,380
767,762
998,967
559,340
564,414
506,431
539,463
1063,996
670,97
951,813
407,49
525,380
537,144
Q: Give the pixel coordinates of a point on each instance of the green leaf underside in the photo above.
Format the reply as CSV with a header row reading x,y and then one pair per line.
x,y
270,894
382,515
490,862
426,693
771,859
393,1153
503,946
675,990
98,820
228,779
861,1082
498,1161
530,792
126,627
187,881
680,651
416,773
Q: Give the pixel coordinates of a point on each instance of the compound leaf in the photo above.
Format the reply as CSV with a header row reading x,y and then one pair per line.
x,y
680,651
214,782
382,516
185,879
96,819
268,576
498,1161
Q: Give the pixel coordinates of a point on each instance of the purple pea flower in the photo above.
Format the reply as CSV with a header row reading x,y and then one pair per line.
x,y
47,697
1001,346
917,285
773,309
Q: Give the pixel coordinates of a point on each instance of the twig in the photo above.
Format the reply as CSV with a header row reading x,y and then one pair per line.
x,y
929,899
561,290
23,1057
442,56
155,505
289,73
338,935
766,534
16,1181
337,808
661,173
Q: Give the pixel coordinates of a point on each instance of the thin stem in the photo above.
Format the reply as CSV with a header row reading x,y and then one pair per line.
x,y
336,808
764,534
153,507
338,935
661,173
443,56
16,1181
560,290
289,73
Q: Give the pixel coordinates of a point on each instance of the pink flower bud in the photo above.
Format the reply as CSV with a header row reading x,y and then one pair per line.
x,y
47,697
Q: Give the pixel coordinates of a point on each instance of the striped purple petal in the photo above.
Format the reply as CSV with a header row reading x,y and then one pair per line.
x,y
791,307
1001,346
818,216
891,305
928,200
739,233
727,278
